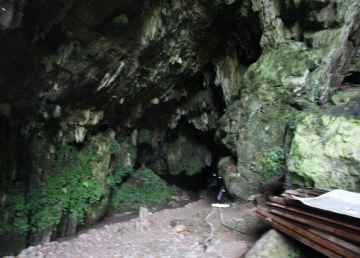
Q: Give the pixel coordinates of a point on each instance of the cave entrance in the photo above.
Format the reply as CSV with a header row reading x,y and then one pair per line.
x,y
200,180
196,182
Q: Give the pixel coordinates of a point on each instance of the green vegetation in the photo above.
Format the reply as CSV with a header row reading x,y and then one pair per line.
x,y
13,211
122,168
183,157
65,185
194,167
191,168
146,186
144,135
120,21
315,121
295,254
339,97
286,114
255,167
273,164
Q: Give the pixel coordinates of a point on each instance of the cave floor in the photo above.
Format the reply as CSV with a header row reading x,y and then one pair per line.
x,y
117,236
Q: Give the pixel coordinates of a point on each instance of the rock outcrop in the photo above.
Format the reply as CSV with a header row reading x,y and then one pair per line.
x,y
273,244
309,62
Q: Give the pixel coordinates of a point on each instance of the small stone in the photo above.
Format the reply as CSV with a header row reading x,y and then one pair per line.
x,y
179,228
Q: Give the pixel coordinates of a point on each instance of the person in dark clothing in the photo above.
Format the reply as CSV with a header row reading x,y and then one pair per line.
x,y
213,185
218,197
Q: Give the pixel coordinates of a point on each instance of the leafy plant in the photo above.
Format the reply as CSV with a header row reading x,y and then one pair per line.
x,y
295,254
254,166
273,163
65,184
122,169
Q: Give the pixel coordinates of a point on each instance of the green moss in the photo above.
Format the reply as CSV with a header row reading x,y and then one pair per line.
x,y
195,166
147,186
66,185
323,152
192,166
144,135
120,21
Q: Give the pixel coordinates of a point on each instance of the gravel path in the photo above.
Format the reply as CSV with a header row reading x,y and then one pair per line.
x,y
122,240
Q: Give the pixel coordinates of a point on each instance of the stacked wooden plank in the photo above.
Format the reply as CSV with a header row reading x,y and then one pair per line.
x,y
332,234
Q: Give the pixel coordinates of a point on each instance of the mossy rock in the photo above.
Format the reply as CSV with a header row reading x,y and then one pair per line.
x,y
324,153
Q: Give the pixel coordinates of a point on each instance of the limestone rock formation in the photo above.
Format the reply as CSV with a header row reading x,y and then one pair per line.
x,y
93,93
324,152
309,59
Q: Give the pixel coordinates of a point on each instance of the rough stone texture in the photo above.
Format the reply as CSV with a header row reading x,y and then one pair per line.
x,y
272,244
102,88
308,48
325,153
143,224
141,69
272,88
237,184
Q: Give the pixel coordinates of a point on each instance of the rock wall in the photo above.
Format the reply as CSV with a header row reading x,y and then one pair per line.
x,y
309,62
92,91
324,150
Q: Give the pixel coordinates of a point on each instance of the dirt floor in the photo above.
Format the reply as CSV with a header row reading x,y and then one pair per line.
x,y
176,232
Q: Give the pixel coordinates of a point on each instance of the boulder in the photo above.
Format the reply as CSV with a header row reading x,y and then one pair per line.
x,y
272,244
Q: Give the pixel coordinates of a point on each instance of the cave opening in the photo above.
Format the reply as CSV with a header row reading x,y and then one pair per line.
x,y
195,182
352,78
200,180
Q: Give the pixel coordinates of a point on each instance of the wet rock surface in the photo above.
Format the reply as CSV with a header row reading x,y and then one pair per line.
x,y
121,239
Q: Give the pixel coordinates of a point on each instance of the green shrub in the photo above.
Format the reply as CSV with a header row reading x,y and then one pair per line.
x,y
147,186
273,164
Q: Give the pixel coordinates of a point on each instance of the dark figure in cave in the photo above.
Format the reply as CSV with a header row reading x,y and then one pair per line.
x,y
213,184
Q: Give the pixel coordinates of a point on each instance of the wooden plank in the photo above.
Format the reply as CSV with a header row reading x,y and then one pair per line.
x,y
293,202
317,190
336,240
300,211
310,192
296,193
277,199
320,225
311,236
298,237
